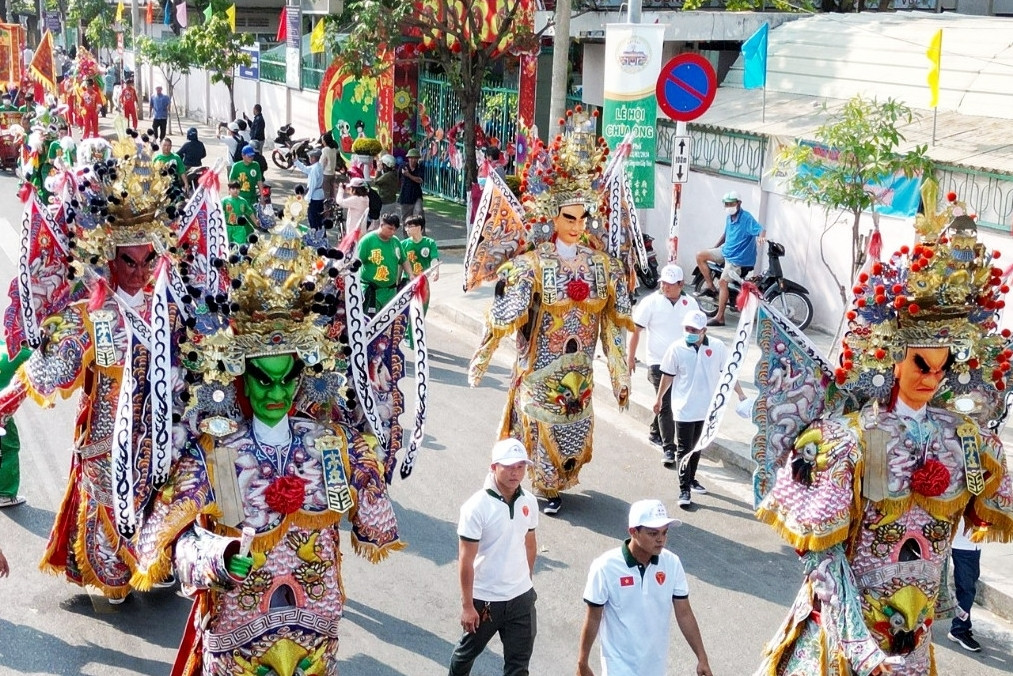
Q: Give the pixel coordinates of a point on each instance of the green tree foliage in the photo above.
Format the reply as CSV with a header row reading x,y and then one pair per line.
x,y
172,59
757,5
97,17
216,49
864,138
453,30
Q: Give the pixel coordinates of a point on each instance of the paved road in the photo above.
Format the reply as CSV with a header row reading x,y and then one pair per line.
x,y
401,617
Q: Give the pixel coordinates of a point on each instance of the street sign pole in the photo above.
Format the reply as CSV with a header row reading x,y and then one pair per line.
x,y
680,175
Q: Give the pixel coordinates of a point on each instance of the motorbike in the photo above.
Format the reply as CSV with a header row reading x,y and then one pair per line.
x,y
193,177
790,298
649,277
287,150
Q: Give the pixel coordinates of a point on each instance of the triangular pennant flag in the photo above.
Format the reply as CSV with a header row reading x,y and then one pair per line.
x,y
43,65
181,17
754,59
317,38
208,13
282,25
119,12
230,14
935,54
167,13
149,16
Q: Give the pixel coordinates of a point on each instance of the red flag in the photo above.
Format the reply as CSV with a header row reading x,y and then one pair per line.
x,y
626,581
150,14
282,25
43,65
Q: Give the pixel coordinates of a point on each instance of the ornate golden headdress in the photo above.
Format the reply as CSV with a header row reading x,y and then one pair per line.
x,y
126,200
568,171
284,300
942,292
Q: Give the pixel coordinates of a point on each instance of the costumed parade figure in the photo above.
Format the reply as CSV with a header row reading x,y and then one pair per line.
x,y
901,443
272,466
102,325
563,268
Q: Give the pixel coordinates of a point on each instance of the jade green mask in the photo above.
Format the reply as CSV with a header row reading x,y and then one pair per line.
x,y
271,383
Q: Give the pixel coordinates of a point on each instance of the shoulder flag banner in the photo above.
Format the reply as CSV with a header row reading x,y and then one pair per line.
x,y
754,59
935,54
230,14
43,66
181,17
317,38
167,13
282,26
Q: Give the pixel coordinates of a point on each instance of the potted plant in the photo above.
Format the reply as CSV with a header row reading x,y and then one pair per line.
x,y
364,150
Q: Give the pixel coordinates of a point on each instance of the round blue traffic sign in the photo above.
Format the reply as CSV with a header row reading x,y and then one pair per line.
x,y
686,87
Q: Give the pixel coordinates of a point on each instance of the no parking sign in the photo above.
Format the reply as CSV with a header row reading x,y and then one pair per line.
x,y
686,87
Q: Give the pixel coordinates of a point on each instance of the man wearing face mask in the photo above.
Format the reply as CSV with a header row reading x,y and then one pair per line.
x,y
736,250
691,368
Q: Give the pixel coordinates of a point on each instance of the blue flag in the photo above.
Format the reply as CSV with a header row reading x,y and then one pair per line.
x,y
167,15
754,59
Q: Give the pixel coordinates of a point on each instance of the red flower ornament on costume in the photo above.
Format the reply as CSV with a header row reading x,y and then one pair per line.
x,y
931,479
577,290
286,494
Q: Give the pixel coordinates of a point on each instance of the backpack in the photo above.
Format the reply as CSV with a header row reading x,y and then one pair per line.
x,y
375,204
237,154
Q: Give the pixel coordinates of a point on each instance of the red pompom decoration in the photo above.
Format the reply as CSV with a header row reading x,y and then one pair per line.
x,y
931,479
285,495
577,290
951,196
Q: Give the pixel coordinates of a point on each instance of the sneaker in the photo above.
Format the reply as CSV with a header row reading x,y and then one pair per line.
x,y
966,640
166,583
685,500
669,458
116,602
697,487
11,500
553,505
655,440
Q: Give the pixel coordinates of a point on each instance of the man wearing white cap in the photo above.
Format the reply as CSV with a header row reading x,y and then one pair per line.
x,y
691,368
628,595
496,562
661,314
736,249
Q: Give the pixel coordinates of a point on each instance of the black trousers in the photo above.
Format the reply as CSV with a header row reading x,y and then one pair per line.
x,y
966,568
663,425
315,215
514,620
686,435
159,124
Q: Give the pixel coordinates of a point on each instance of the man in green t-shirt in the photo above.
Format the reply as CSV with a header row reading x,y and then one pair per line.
x,y
248,172
420,251
239,215
383,263
170,161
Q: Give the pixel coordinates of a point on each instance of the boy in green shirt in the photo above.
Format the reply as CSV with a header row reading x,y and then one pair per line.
x,y
419,250
238,215
383,263
171,160
247,171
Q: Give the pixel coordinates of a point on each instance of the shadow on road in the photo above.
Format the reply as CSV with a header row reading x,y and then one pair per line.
x,y
156,617
392,630
35,520
27,650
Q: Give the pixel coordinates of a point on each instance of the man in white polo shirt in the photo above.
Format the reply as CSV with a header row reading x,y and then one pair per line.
x,y
661,314
691,369
630,591
496,561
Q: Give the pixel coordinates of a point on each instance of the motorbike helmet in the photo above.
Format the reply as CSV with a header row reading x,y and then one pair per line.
x,y
191,134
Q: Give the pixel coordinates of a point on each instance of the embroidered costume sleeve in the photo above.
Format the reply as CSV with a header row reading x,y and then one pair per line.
x,y
815,496
615,322
58,367
510,311
991,512
200,559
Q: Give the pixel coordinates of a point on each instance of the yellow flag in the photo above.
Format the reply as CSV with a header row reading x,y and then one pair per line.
x,y
935,53
317,38
231,14
119,12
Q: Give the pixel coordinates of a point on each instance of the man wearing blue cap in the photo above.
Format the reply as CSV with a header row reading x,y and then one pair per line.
x,y
249,175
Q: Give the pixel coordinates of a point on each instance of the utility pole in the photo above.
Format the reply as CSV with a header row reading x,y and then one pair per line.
x,y
560,64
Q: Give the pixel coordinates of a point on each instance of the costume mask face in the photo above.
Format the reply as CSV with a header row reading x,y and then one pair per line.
x,y
919,375
569,223
131,269
271,383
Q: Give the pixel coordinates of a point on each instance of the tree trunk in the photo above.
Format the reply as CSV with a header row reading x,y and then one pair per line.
x,y
232,99
469,105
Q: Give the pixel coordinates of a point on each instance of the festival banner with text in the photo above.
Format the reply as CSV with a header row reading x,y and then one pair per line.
x,y
632,66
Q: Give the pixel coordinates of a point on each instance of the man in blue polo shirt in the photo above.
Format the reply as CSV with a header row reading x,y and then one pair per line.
x,y
630,594
736,249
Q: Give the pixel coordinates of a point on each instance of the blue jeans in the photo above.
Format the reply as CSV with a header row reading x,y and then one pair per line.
x,y
966,568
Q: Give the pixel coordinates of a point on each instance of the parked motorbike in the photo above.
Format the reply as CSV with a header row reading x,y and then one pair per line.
x,y
287,150
790,298
649,277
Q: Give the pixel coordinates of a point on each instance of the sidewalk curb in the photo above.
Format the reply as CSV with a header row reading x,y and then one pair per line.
x,y
989,595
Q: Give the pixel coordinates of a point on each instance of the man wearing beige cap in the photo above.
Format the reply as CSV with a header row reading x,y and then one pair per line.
x,y
628,594
661,314
496,561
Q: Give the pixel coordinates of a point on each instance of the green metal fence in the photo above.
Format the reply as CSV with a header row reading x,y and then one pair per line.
x,y
440,137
